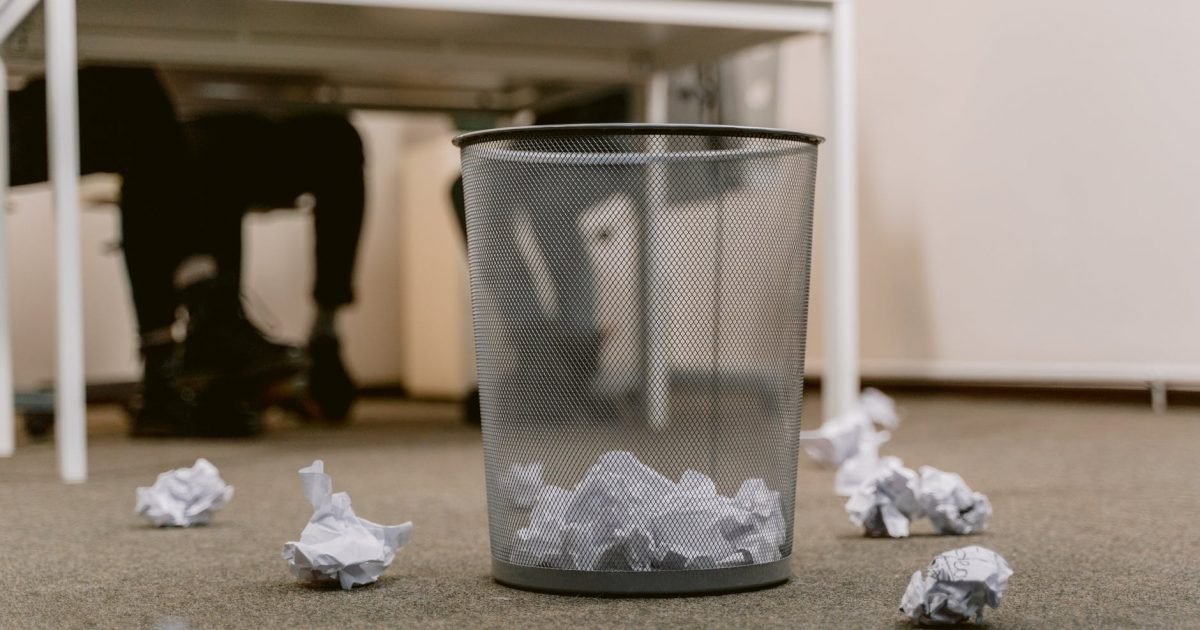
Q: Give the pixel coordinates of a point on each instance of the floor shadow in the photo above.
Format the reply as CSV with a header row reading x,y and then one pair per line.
x,y
152,527
975,536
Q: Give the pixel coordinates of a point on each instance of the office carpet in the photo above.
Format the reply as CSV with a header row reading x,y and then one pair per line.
x,y
1096,509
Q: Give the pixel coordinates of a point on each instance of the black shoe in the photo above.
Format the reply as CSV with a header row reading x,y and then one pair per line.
x,y
161,408
160,412
223,411
329,383
164,409
223,349
213,416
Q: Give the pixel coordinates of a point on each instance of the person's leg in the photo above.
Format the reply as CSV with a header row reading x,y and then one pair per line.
x,y
327,161
233,155
223,349
127,126
325,154
128,119
28,155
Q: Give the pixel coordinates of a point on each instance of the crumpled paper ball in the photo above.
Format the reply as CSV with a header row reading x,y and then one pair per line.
x,y
879,407
838,439
864,465
337,545
956,587
841,438
950,504
185,496
885,504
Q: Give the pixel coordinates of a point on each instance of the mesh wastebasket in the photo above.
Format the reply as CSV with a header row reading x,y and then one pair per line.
x,y
639,296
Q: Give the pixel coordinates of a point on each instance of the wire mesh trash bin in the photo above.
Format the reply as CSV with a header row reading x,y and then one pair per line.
x,y
639,296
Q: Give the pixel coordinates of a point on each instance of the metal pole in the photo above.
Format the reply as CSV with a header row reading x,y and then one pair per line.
x,y
840,382
658,375
8,430
62,105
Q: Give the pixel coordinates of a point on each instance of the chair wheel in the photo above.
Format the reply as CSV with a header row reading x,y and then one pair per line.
x,y
38,424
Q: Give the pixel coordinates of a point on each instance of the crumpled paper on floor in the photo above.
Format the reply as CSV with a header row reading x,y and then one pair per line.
x,y
837,439
840,438
185,496
625,516
879,407
864,465
886,503
337,545
950,504
956,587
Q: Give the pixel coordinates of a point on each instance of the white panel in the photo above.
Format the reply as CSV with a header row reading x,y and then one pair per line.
x,y
1028,188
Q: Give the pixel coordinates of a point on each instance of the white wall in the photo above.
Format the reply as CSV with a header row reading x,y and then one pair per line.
x,y
1029,190
438,357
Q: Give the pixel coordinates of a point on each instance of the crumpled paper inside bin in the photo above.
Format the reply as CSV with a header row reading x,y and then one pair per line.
x,y
625,516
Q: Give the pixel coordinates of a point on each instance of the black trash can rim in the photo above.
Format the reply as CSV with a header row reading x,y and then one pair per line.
x,y
629,129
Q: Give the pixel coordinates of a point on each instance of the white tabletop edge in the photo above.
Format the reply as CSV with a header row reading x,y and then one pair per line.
x,y
794,17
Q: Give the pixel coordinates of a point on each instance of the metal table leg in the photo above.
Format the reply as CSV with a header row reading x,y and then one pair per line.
x,y
840,382
7,412
63,106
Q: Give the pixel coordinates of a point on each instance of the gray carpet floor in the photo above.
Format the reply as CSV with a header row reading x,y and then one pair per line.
x,y
1096,509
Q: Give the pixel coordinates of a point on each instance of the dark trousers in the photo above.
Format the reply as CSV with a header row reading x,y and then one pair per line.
x,y
127,126
252,161
184,189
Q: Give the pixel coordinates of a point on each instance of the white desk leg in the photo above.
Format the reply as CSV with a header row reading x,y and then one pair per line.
x,y
658,86
840,383
8,430
658,374
63,104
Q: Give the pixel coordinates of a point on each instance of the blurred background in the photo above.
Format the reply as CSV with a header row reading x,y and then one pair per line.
x,y
1027,192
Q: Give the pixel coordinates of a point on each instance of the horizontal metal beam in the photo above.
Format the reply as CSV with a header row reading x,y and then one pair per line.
x,y
794,17
370,60
244,89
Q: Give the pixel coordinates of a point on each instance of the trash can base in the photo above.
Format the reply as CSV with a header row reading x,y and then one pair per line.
x,y
643,583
